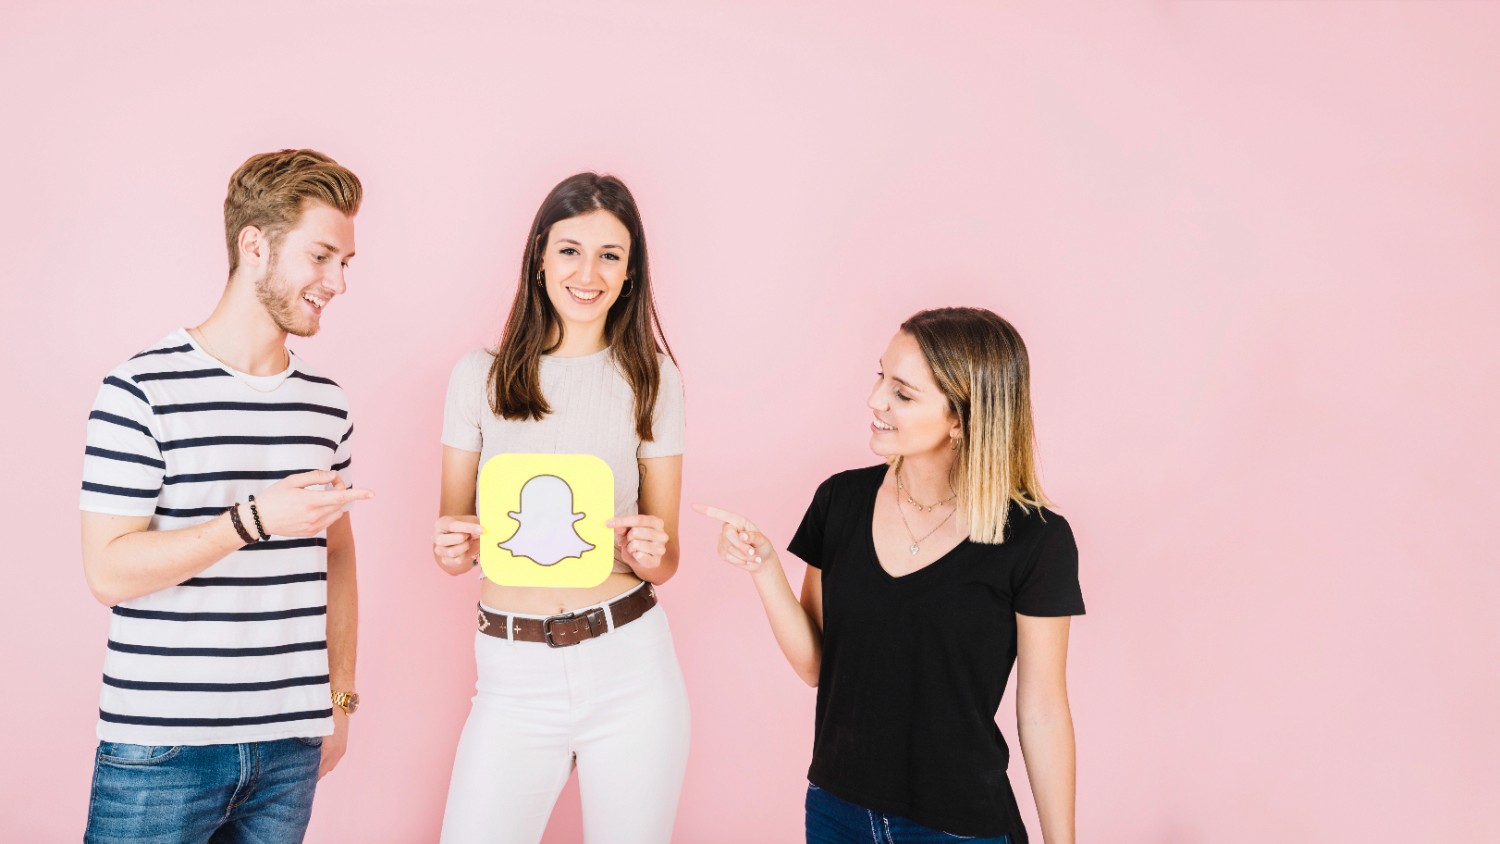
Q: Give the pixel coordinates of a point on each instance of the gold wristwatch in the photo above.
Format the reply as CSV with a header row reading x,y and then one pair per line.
x,y
347,701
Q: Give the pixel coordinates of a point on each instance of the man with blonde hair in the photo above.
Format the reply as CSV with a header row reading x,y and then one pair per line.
x,y
215,485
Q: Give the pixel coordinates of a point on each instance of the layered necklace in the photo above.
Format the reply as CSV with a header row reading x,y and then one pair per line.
x,y
916,544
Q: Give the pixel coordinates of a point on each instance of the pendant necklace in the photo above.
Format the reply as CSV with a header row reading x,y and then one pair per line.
x,y
916,544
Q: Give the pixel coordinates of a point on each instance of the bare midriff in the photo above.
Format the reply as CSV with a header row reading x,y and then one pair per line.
x,y
533,600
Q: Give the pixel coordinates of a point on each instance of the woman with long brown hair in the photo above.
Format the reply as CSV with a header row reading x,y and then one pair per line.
x,y
567,677
929,576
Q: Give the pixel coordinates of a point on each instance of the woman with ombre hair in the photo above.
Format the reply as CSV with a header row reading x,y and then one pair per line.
x,y
583,677
930,575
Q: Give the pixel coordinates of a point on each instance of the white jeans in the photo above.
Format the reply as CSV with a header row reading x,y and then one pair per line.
x,y
616,705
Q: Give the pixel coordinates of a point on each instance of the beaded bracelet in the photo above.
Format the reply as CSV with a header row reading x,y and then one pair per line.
x,y
239,526
255,514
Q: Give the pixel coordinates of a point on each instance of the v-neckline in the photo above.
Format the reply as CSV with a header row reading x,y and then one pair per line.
x,y
875,550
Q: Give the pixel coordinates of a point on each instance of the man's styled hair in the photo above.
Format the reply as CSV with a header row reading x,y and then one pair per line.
x,y
269,189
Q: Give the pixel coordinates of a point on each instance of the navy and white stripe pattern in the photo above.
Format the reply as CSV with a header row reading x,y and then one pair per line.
x,y
238,653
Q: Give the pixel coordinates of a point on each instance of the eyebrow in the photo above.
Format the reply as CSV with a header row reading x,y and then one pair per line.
x,y
331,248
605,246
902,381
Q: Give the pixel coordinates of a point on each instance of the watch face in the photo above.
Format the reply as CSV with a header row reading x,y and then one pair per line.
x,y
352,703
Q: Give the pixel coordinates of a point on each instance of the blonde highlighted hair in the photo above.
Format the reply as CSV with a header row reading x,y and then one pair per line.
x,y
980,365
268,190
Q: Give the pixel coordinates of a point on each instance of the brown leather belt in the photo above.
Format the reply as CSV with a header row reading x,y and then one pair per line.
x,y
560,631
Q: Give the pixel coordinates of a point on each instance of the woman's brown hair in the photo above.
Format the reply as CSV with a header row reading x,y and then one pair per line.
x,y
632,328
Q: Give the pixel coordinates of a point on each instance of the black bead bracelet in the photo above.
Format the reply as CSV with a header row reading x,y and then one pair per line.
x,y
255,514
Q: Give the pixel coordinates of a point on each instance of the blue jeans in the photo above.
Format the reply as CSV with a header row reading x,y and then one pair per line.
x,y
220,793
834,821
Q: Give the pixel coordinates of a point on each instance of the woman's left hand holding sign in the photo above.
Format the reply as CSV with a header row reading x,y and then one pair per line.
x,y
642,539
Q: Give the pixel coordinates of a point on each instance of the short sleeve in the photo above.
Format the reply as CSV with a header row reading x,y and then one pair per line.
x,y
122,464
467,402
667,419
343,456
808,542
1047,585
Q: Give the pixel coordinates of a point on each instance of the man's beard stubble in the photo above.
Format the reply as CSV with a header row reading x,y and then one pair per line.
x,y
274,294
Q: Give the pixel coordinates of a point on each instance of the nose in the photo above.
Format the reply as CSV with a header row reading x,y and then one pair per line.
x,y
586,272
334,279
878,400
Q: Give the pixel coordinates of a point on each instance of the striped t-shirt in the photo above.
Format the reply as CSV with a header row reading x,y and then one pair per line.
x,y
238,653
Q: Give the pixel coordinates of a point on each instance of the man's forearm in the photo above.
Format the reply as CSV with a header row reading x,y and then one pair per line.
x,y
140,562
343,607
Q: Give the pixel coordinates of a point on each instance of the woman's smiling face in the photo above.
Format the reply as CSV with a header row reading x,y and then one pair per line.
x,y
584,265
911,413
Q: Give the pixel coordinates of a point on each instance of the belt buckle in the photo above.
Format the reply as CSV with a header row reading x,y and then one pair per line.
x,y
547,630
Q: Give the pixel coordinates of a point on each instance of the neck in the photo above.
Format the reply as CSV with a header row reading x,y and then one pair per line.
x,y
926,475
580,340
241,334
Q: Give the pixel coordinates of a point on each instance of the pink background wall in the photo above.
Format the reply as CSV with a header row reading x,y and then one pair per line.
x,y
1253,247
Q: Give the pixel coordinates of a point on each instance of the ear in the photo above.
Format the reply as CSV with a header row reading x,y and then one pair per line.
x,y
252,245
955,430
538,254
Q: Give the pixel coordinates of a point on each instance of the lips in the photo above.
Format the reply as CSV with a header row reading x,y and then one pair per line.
x,y
317,302
882,427
584,295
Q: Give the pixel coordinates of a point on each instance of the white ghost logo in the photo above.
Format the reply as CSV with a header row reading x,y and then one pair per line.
x,y
546,535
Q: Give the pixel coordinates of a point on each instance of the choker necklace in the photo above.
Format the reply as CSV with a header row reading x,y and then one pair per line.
x,y
901,488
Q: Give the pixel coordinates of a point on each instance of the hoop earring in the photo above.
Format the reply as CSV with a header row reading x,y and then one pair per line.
x,y
955,442
629,286
541,278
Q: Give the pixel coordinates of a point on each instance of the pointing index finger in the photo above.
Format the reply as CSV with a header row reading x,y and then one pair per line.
x,y
347,495
724,516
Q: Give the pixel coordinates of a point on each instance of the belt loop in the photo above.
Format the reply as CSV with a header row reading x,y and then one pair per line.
x,y
609,616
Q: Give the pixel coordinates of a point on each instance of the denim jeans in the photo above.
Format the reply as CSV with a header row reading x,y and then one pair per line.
x,y
220,793
831,820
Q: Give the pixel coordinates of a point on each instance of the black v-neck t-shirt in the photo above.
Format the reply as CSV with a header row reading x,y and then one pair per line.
x,y
914,666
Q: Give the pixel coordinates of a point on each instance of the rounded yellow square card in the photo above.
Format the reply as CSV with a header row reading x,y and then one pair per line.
x,y
543,518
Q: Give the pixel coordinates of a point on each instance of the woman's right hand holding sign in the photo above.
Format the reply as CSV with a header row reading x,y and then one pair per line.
x,y
455,543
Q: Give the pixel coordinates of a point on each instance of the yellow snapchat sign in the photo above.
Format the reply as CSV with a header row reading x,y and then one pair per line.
x,y
543,518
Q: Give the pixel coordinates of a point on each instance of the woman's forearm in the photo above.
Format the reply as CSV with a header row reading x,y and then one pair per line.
x,y
796,632
1047,743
